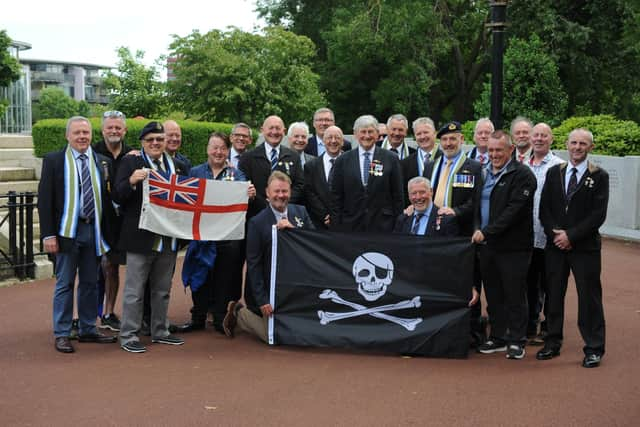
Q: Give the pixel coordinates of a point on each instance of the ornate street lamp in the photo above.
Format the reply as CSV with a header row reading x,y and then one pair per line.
x,y
498,26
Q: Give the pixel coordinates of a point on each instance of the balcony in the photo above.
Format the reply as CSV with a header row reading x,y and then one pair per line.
x,y
97,99
47,76
94,80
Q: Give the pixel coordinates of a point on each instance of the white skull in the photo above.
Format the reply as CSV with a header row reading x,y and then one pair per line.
x,y
373,273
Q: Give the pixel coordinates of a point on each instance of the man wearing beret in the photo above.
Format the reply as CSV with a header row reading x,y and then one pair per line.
x,y
150,257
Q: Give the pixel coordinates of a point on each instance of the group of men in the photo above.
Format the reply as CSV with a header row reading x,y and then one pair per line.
x,y
533,218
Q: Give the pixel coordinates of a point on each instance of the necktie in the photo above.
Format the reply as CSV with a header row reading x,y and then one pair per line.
x,y
274,158
481,159
158,165
520,158
416,223
394,150
87,188
442,185
426,161
330,177
573,183
365,168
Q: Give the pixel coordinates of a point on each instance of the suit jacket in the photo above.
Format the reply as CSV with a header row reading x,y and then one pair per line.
x,y
317,192
185,162
371,208
312,146
582,216
447,226
307,158
257,167
510,226
132,238
259,251
51,192
463,199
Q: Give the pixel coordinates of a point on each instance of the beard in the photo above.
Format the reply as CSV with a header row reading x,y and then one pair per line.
x,y
113,140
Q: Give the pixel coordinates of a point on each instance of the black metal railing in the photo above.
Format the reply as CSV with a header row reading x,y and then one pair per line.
x,y
20,254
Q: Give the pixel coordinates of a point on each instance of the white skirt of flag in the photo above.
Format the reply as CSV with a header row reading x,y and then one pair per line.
x,y
193,208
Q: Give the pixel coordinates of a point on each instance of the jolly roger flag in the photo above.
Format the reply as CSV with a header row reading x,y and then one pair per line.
x,y
382,292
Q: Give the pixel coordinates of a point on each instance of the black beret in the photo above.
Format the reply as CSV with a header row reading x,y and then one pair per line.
x,y
151,127
450,127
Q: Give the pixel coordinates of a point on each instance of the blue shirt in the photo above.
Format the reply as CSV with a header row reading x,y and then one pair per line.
x,y
490,182
422,228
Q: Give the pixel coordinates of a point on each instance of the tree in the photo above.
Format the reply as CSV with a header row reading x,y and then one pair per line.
x,y
532,84
53,103
135,88
9,66
234,75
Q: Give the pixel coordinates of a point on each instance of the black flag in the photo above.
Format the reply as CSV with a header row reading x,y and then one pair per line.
x,y
383,292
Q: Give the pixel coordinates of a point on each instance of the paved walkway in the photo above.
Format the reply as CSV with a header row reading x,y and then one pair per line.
x,y
215,381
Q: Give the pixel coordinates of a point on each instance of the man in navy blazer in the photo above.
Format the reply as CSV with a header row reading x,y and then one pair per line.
x,y
254,317
323,118
367,184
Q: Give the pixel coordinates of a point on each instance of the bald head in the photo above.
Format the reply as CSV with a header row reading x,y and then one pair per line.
x,y
273,130
173,135
541,138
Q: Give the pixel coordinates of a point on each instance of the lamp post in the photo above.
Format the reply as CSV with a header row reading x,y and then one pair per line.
x,y
498,26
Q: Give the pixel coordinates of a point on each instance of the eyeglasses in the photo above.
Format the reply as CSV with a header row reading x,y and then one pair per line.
x,y
154,138
111,114
240,135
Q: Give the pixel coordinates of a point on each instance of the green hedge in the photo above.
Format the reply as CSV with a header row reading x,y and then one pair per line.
x,y
49,135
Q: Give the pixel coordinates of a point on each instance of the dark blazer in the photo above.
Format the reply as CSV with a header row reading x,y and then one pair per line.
x,y
463,199
259,252
317,193
312,146
185,161
448,226
132,238
510,226
51,196
582,216
257,167
371,208
409,166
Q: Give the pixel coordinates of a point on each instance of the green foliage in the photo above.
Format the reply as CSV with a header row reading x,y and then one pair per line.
x,y
54,104
49,135
135,89
467,131
237,76
532,86
611,136
9,66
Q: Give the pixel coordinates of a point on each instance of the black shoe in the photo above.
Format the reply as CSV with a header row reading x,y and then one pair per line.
x,y
515,351
547,353
492,346
63,345
591,361
110,321
231,319
187,327
97,338
134,347
169,339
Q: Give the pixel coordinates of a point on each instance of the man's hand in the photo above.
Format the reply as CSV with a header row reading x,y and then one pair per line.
x,y
474,297
266,310
477,237
251,191
137,176
133,153
446,211
409,210
284,223
561,240
327,220
51,245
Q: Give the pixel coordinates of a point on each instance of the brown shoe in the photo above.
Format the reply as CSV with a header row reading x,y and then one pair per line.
x,y
230,319
63,345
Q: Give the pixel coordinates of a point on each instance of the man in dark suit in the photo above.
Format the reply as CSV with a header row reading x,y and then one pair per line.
x,y
397,128
72,201
317,179
150,257
322,119
297,141
573,206
504,231
481,132
424,131
259,163
366,184
254,317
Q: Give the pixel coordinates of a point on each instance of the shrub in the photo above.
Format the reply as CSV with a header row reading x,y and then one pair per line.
x,y
612,137
49,135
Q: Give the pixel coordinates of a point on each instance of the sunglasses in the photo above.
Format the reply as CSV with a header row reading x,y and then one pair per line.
x,y
112,114
154,138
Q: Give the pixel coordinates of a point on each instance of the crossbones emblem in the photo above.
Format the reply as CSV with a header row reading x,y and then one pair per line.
x,y
373,273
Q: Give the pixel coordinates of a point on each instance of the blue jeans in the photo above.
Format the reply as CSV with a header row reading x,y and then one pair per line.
x,y
81,258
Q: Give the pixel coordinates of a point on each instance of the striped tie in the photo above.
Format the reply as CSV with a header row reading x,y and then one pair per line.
x,y
365,168
87,189
416,224
274,158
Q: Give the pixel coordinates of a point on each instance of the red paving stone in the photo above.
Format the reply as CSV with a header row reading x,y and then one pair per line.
x,y
215,381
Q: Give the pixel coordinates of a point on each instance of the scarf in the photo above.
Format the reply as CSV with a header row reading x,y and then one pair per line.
x,y
454,170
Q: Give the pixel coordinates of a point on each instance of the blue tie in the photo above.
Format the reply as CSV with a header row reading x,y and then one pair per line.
x,y
87,189
416,224
365,168
274,158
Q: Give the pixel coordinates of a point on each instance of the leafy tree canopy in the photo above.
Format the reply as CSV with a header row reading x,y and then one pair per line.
x,y
9,66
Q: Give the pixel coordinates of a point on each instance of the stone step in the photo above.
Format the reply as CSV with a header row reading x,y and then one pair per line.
x,y
16,153
18,186
32,162
17,174
16,141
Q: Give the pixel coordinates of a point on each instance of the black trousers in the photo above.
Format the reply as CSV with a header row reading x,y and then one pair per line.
x,y
537,296
224,283
586,267
504,275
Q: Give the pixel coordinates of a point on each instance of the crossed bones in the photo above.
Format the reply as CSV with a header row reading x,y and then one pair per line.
x,y
408,324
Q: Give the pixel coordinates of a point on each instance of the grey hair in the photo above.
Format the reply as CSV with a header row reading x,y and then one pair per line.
x,y
400,117
76,119
586,131
113,115
324,110
419,180
241,125
484,120
295,125
366,121
422,121
519,119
